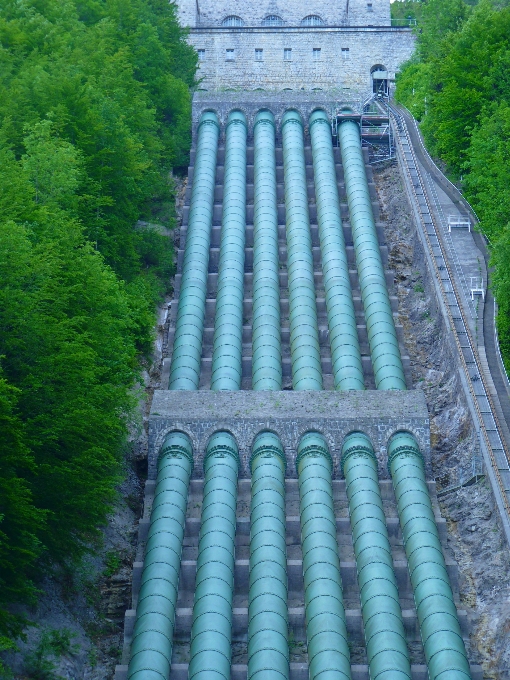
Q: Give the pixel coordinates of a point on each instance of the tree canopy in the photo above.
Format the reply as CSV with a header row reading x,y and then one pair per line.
x,y
94,115
458,87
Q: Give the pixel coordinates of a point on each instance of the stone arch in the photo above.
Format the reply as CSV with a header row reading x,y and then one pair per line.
x,y
269,429
312,20
319,108
176,427
217,430
273,20
379,79
328,437
232,21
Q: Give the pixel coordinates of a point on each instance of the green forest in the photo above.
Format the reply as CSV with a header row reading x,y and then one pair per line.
x,y
95,111
458,87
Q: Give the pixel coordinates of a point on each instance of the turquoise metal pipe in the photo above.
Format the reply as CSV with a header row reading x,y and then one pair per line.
x,y
328,651
266,341
343,334
445,652
382,336
151,648
304,330
228,325
268,648
189,326
387,653
211,632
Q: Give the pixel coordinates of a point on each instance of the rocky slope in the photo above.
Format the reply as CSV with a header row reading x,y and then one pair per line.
x,y
475,536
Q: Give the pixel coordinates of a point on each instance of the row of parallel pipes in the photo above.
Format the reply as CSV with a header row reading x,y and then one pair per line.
x,y
211,631
268,651
343,334
304,327
387,652
189,326
228,327
266,342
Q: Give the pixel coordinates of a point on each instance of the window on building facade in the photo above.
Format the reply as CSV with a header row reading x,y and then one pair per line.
x,y
232,21
369,6
287,54
230,55
201,55
316,53
312,20
345,53
272,20
259,54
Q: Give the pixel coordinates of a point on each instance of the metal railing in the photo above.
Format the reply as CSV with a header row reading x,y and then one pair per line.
x,y
490,428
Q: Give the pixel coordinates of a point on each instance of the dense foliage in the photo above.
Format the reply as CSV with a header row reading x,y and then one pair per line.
x,y
458,86
94,114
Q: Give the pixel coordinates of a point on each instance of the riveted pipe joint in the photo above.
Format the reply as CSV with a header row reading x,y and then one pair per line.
x,y
268,648
228,326
211,632
304,332
343,334
328,650
151,648
189,326
382,336
266,335
445,652
387,652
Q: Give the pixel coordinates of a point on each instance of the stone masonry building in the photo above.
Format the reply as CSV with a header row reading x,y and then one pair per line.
x,y
295,46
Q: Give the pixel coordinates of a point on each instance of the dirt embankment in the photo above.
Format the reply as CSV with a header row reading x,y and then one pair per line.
x,y
475,536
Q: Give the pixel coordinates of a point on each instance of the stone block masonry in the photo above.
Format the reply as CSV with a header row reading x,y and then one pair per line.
x,y
289,414
299,58
196,13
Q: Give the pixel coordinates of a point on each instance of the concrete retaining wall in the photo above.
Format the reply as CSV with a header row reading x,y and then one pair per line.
x,y
289,414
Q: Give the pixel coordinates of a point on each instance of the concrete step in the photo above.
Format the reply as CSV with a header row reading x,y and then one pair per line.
x,y
293,529
295,576
314,232
212,279
214,257
298,671
297,624
312,210
210,308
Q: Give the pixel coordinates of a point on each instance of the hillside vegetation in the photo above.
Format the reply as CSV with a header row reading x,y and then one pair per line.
x,y
458,87
94,114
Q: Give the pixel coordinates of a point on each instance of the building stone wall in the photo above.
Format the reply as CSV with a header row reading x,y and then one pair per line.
x,y
289,414
347,57
202,13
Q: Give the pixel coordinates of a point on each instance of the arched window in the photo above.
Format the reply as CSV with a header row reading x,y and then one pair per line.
x,y
272,20
232,21
312,20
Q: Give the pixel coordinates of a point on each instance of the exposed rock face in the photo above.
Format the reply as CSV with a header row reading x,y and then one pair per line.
x,y
475,536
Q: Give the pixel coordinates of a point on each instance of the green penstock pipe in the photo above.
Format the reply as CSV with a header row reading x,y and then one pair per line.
x,y
343,334
211,632
328,651
387,653
445,652
189,326
228,325
268,647
266,343
151,648
382,336
304,330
